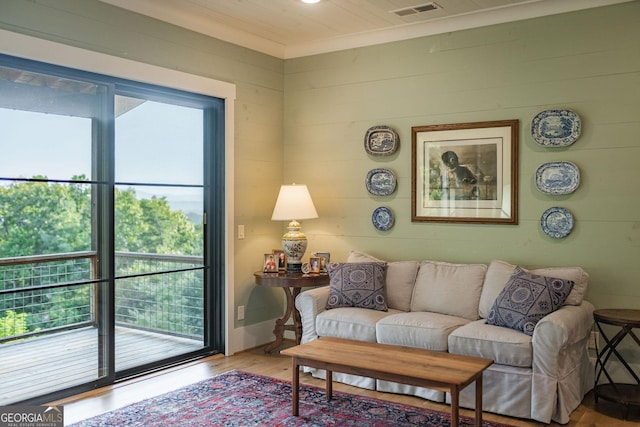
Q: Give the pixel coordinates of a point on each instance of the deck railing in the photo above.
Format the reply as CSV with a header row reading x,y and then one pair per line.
x,y
48,293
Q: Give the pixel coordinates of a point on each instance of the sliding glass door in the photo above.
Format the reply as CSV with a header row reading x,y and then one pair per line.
x,y
110,229
159,280
48,279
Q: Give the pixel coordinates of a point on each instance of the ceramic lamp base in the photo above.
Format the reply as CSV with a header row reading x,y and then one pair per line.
x,y
294,268
294,244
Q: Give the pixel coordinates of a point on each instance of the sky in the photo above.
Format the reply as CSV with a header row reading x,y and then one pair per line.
x,y
155,143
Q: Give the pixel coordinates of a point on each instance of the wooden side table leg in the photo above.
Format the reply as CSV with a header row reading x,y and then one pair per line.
x,y
455,409
297,321
329,385
295,384
278,331
479,401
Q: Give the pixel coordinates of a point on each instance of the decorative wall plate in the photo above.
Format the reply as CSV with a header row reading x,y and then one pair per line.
x,y
381,182
557,222
557,178
383,218
556,128
381,141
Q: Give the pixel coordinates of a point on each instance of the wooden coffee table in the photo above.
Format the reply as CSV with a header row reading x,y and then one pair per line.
x,y
431,369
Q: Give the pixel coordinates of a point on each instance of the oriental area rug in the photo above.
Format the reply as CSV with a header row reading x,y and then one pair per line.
x,y
243,399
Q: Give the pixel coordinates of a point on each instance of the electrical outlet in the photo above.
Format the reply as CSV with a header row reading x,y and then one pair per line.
x,y
241,312
240,232
594,340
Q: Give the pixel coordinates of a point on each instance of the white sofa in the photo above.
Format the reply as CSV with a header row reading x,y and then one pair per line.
x,y
442,306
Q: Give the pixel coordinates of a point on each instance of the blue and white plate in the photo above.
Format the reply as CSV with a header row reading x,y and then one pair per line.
x,y
381,141
557,178
556,128
557,222
383,218
381,182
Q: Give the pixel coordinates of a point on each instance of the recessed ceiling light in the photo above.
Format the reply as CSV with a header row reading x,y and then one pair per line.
x,y
310,1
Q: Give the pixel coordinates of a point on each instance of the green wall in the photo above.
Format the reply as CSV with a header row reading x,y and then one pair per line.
x,y
587,61
321,106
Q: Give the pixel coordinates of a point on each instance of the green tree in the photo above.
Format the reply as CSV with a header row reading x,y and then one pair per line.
x,y
13,324
150,226
43,218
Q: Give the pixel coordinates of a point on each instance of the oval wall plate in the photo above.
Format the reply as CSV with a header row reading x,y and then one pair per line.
x,y
381,182
556,128
557,178
381,141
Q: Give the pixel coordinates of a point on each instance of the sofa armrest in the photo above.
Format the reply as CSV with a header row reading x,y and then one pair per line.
x,y
562,370
566,326
310,303
560,338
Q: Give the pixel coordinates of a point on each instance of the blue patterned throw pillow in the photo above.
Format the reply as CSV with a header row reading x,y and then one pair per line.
x,y
357,285
527,298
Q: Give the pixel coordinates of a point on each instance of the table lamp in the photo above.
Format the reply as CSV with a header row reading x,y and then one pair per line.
x,y
294,203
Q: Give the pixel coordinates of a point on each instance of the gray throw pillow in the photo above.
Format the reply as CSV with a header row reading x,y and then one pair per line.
x,y
357,285
527,298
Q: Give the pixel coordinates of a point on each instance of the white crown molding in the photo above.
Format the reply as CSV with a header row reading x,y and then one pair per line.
x,y
193,17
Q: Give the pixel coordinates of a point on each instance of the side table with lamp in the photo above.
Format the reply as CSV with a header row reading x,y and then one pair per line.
x,y
291,284
294,203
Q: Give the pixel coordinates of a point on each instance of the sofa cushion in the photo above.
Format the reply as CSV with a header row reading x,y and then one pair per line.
x,y
350,323
504,346
357,285
357,256
418,329
500,271
400,279
446,288
577,275
526,299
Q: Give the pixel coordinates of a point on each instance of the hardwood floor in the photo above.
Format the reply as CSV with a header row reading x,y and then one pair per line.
x,y
106,399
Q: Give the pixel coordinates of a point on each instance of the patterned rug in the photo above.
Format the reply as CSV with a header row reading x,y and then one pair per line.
x,y
242,399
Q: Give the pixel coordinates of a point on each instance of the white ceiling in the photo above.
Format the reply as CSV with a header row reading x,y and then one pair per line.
x,y
290,28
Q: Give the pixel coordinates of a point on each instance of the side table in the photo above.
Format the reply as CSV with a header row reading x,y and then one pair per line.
x,y
291,284
625,394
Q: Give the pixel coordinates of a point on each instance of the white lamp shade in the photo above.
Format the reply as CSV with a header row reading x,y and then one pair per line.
x,y
294,202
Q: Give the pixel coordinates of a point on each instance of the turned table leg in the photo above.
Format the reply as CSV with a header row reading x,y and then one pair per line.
x,y
280,327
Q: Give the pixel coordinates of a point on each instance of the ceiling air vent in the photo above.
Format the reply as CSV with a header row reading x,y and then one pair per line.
x,y
427,7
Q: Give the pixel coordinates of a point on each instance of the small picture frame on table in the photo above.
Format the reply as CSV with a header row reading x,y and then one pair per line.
x,y
281,259
314,263
324,260
270,264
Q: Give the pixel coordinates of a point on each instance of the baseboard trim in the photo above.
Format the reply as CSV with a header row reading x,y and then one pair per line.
x,y
252,336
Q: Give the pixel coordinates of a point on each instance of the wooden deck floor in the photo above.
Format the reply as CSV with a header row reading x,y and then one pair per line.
x,y
45,364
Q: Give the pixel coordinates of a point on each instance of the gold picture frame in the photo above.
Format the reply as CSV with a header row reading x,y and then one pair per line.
x,y
325,258
281,259
270,264
314,264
